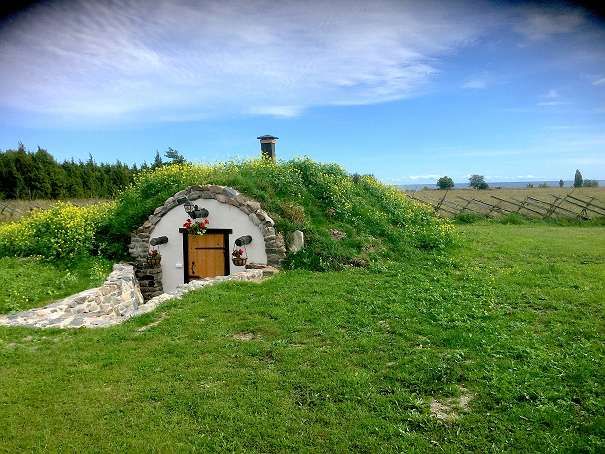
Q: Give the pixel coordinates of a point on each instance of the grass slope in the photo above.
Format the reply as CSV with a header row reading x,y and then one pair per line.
x,y
32,282
339,360
377,221
300,194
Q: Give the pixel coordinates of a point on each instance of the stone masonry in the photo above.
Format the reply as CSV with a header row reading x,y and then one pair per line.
x,y
117,300
151,278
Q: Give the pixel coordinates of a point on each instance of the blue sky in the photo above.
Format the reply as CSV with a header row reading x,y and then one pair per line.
x,y
408,91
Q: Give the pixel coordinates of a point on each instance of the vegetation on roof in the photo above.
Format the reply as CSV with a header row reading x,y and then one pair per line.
x,y
372,220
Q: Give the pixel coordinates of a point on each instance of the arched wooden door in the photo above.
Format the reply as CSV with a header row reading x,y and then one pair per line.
x,y
206,255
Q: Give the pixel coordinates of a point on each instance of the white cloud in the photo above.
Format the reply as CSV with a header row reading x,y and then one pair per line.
x,y
277,111
552,98
551,103
475,83
542,23
423,177
184,59
599,82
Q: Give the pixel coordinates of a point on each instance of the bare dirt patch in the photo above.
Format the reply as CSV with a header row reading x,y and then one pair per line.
x,y
449,409
244,336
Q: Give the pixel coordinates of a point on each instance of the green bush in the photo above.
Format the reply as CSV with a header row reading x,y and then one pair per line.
x,y
299,194
379,221
512,219
62,231
469,218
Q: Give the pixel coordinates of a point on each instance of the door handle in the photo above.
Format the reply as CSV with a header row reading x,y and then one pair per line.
x,y
192,268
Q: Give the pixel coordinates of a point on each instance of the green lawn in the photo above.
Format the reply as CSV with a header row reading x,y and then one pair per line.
x,y
32,282
338,361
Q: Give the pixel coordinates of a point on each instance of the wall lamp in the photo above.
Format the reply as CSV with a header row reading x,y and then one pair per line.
x,y
192,210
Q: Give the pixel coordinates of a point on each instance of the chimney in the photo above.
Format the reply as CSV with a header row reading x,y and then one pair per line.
x,y
267,146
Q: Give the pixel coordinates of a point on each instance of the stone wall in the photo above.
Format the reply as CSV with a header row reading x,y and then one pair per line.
x,y
150,279
117,299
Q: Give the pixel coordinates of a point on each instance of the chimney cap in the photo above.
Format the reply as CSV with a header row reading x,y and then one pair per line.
x,y
267,137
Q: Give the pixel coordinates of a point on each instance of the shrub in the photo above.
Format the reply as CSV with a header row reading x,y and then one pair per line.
x,y
294,213
301,194
298,194
513,219
64,230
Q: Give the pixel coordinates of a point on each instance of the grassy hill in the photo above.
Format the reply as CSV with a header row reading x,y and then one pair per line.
x,y
379,222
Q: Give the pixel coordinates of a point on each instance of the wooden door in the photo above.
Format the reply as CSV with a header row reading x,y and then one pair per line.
x,y
207,255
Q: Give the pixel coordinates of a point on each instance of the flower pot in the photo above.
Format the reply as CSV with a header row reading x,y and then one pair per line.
x,y
154,260
239,261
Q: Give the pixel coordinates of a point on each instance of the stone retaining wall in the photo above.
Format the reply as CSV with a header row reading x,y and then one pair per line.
x,y
118,299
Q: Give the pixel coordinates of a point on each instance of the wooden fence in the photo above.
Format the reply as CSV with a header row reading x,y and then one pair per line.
x,y
569,205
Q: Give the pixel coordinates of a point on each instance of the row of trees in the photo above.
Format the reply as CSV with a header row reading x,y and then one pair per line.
x,y
478,182
580,182
474,181
37,175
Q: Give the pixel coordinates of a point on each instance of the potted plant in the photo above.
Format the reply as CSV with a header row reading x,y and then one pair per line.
x,y
238,257
195,227
154,258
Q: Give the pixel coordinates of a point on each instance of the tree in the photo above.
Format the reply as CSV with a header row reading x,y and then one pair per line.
x,y
477,182
445,183
577,180
157,161
174,156
24,174
561,183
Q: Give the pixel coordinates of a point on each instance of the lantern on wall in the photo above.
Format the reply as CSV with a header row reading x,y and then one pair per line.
x,y
193,211
189,207
199,212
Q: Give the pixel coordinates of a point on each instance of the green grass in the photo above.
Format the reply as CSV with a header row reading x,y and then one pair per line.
x,y
378,222
340,360
32,282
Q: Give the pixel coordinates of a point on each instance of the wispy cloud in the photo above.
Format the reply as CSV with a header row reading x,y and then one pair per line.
x,y
551,98
542,23
551,103
476,83
431,176
186,59
599,82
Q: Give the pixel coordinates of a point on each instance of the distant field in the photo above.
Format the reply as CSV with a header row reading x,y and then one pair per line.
x,y
456,197
11,210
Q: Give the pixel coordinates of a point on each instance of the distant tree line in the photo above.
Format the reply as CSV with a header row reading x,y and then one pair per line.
x,y
37,175
580,182
478,182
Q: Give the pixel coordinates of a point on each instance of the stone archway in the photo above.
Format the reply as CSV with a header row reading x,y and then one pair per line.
x,y
150,278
